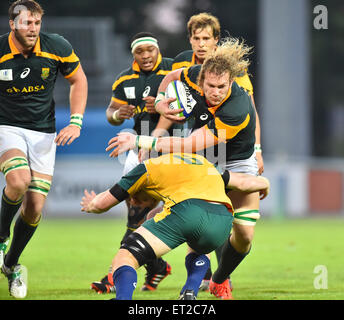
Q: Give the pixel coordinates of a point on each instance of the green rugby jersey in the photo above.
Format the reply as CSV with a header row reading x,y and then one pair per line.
x,y
27,84
184,59
187,59
133,84
233,121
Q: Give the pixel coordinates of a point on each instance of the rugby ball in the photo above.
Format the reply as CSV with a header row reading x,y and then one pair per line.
x,y
184,100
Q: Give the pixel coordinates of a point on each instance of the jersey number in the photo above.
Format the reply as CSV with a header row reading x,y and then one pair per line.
x,y
188,159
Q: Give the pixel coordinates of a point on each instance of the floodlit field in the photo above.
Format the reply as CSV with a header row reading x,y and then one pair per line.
x,y
288,261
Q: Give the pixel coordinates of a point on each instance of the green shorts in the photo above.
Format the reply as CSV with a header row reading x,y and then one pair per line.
x,y
202,225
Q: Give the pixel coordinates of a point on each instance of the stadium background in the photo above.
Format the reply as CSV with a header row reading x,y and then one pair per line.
x,y
297,73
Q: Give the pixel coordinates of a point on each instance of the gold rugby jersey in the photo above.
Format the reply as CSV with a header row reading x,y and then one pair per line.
x,y
173,178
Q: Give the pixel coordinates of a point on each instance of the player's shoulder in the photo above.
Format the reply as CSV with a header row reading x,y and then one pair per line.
x,y
184,56
194,70
191,73
4,38
126,72
125,75
55,44
239,102
166,63
183,60
238,92
4,46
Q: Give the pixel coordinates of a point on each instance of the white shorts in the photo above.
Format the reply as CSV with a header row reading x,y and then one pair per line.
x,y
39,147
248,166
131,162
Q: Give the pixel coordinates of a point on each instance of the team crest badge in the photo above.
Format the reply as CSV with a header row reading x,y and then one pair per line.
x,y
45,73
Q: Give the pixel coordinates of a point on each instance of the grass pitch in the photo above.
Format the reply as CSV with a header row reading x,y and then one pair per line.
x,y
66,255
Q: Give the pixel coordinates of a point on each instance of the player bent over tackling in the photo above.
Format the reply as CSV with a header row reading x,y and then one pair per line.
x,y
196,211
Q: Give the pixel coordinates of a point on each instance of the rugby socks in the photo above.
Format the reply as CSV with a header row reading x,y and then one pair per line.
x,y
196,267
22,233
8,210
208,274
125,280
156,266
229,261
218,252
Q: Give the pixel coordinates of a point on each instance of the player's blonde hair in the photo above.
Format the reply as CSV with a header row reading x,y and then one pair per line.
x,y
203,20
230,56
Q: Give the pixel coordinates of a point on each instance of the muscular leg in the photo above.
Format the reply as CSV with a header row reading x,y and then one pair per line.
x,y
124,264
27,222
237,248
18,177
139,209
157,269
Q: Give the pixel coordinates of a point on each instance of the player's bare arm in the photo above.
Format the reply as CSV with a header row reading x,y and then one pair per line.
x,y
97,203
248,183
149,104
78,98
198,140
116,112
259,155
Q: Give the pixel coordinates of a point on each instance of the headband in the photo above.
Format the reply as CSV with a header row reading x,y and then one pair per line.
x,y
144,40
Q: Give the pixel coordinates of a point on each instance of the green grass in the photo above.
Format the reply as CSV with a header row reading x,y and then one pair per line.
x,y
66,255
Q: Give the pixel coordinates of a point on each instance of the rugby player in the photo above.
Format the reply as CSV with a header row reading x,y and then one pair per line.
x,y
196,211
133,96
29,64
229,124
204,32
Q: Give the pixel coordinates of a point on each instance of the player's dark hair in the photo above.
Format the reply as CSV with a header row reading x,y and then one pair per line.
x,y
30,5
141,35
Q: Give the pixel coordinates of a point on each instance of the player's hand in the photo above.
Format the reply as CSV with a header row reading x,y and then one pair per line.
x,y
123,142
150,104
86,201
126,111
67,135
143,155
260,162
163,108
263,193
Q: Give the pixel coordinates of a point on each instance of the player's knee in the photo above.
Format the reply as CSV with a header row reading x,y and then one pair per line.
x,y
34,210
241,241
32,219
18,183
245,239
137,245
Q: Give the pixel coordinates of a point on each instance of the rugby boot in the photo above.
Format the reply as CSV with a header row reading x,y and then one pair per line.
x,y
16,280
221,290
153,278
187,295
103,286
